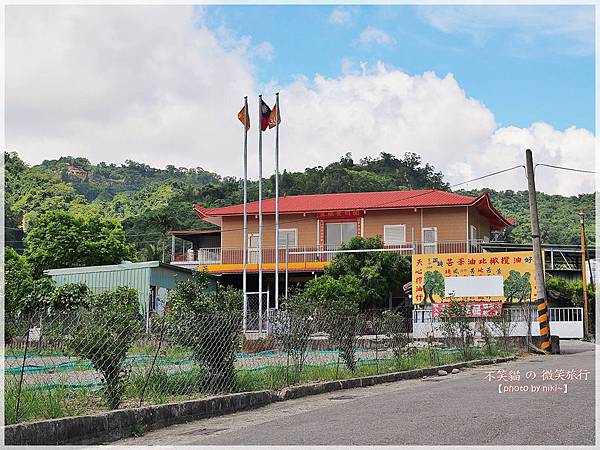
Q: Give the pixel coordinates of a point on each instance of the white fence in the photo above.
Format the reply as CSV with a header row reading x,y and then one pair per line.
x,y
308,253
567,322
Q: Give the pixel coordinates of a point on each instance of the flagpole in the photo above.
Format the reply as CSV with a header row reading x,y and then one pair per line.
x,y
277,201
260,217
245,252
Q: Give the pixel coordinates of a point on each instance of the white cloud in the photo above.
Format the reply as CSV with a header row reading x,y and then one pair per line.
x,y
394,112
264,50
372,35
145,83
526,24
154,85
340,16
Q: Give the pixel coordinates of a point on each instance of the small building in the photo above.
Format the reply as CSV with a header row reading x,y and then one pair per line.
x,y
312,228
151,279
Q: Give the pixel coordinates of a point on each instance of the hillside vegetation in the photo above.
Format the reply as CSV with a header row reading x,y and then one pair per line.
x,y
149,202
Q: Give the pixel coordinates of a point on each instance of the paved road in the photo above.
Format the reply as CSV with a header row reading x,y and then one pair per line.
x,y
464,408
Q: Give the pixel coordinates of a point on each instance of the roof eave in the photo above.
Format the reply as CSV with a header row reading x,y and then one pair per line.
x,y
502,222
205,215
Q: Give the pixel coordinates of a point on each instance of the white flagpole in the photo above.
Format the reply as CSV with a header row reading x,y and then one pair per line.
x,y
260,218
277,202
245,252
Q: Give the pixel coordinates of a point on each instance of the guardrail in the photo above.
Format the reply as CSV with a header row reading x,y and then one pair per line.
x,y
315,253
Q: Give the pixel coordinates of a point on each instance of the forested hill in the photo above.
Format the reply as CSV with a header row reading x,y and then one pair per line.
x,y
150,202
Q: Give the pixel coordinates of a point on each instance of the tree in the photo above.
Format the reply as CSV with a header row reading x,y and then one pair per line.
x,y
18,282
104,336
517,287
573,291
379,273
292,326
336,302
345,293
18,285
69,297
209,322
433,285
559,222
60,239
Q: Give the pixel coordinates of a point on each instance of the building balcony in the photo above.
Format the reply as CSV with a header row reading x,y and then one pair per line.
x,y
302,258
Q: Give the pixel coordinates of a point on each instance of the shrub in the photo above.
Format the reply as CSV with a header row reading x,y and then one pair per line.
x,y
209,323
343,326
335,302
69,297
395,327
108,328
502,327
456,327
327,293
293,325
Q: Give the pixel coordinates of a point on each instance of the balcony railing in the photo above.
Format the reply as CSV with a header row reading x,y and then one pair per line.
x,y
317,253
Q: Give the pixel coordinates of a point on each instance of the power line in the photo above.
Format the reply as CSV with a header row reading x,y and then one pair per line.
x,y
486,176
565,168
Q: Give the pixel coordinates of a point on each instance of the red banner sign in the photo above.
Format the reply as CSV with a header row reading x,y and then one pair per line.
x,y
478,309
339,215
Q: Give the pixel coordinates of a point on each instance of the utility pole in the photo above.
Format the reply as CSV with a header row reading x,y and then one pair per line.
x,y
583,275
538,261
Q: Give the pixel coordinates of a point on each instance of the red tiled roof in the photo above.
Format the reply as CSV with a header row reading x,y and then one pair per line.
x,y
356,201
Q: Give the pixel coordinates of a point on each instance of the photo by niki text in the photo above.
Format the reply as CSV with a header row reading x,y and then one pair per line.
x,y
552,381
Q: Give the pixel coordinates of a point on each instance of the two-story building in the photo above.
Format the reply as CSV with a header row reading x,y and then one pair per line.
x,y
311,227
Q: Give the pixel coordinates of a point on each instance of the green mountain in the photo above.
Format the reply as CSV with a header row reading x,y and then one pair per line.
x,y
149,202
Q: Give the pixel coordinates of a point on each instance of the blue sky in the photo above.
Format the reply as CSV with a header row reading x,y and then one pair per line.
x,y
163,84
526,64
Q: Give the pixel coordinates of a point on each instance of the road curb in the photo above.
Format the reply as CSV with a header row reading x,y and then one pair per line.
x,y
114,425
329,386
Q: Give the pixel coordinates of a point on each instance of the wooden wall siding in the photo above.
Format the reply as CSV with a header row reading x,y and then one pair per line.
x,y
375,220
481,222
451,223
306,226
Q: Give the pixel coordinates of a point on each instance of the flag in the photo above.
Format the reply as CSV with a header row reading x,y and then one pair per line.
x,y
274,118
244,120
265,113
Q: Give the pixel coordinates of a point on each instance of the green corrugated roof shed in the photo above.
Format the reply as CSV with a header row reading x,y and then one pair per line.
x,y
140,276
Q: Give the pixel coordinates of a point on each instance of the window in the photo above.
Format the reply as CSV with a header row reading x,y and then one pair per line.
x,y
288,235
394,234
253,248
340,233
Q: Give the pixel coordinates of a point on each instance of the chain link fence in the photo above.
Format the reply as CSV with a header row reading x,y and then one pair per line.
x,y
66,364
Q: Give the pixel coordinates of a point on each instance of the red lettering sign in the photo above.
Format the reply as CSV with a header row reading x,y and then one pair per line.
x,y
473,309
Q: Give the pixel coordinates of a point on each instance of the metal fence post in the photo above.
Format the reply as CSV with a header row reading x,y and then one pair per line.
x,y
162,330
287,269
22,371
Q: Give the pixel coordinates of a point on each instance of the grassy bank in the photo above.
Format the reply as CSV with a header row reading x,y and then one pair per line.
x,y
47,402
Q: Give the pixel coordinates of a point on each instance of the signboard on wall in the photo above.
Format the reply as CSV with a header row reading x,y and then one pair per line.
x,y
505,277
474,309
